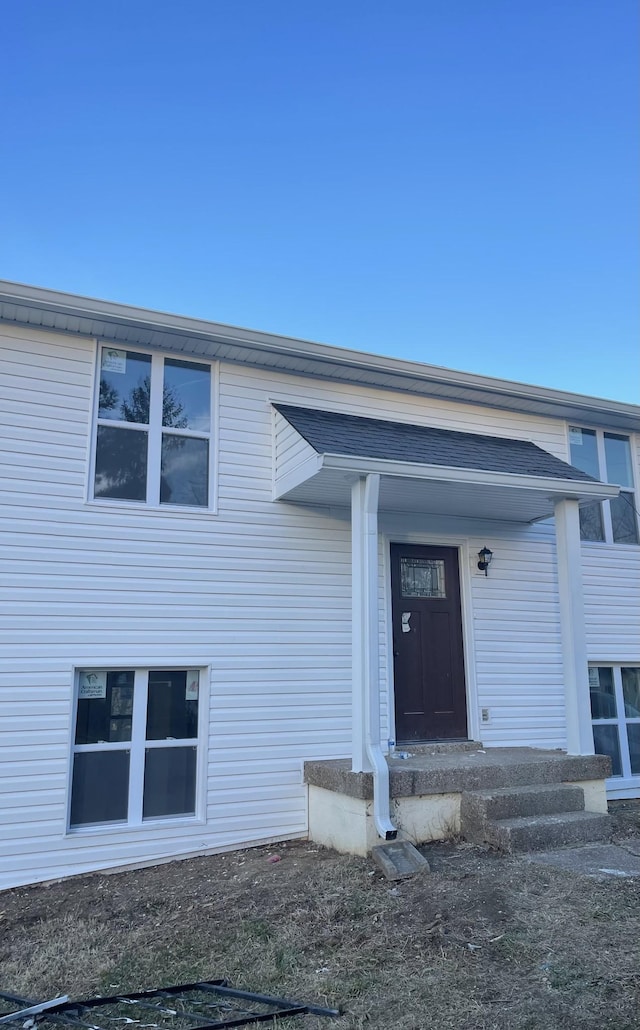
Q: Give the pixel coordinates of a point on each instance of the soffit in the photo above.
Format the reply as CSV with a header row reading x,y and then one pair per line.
x,y
121,324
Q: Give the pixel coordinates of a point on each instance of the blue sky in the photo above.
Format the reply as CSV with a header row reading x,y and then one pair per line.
x,y
453,181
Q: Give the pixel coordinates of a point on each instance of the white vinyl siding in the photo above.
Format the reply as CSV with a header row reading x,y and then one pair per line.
x,y
517,640
260,593
513,653
290,450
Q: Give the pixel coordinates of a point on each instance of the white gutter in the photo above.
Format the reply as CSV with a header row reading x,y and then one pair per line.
x,y
367,753
574,488
503,393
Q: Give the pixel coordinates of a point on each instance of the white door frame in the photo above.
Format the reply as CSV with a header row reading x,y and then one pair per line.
x,y
466,560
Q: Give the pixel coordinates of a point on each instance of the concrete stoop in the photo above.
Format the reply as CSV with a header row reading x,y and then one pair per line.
x,y
510,798
530,818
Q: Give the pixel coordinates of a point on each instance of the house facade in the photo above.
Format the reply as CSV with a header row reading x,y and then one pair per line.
x,y
226,553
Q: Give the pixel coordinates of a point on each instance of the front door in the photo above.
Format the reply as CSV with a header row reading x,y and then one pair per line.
x,y
430,696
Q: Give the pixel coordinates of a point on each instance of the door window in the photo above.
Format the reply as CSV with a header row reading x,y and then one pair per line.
x,y
422,577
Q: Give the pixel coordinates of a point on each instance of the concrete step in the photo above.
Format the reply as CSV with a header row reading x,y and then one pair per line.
x,y
541,832
477,807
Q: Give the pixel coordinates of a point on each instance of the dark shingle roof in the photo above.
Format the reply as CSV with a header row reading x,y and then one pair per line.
x,y
331,433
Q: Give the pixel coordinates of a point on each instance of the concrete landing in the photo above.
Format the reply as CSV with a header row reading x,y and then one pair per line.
x,y
599,861
444,773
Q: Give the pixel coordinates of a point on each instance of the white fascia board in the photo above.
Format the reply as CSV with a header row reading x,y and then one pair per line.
x,y
148,321
445,473
306,470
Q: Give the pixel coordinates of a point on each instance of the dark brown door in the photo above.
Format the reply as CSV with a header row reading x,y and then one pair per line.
x,y
430,692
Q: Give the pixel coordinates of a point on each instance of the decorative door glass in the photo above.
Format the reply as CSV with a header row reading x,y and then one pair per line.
x,y
422,577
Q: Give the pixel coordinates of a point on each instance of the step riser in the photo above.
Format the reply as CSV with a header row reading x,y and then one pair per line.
x,y
476,809
546,835
530,818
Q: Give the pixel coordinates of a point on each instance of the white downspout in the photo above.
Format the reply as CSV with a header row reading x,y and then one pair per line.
x,y
367,753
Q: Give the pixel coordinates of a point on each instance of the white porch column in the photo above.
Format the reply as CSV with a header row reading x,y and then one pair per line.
x,y
572,629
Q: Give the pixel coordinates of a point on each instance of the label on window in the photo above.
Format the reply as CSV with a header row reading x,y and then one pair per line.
x,y
575,436
594,679
92,685
191,691
114,360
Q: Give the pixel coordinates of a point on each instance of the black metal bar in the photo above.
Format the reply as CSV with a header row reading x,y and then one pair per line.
x,y
53,1015
262,1017
155,993
197,1019
316,1010
68,1012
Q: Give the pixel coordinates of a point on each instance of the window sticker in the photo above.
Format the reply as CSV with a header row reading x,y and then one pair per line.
x,y
92,685
191,690
114,360
575,436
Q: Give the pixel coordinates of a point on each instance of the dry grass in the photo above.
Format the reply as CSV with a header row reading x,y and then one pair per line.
x,y
481,942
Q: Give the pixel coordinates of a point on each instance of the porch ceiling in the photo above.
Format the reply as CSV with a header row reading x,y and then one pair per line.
x,y
456,474
474,499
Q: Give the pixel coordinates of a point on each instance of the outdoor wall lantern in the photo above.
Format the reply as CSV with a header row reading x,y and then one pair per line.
x,y
484,559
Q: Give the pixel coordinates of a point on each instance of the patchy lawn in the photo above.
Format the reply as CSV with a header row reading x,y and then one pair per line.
x,y
481,942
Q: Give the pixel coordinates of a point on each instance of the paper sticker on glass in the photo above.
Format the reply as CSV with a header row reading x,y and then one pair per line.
x,y
422,577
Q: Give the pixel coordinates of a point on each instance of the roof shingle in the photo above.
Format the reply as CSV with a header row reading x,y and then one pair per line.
x,y
330,432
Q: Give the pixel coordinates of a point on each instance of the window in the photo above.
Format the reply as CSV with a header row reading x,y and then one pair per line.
x,y
606,456
615,715
153,430
422,577
135,746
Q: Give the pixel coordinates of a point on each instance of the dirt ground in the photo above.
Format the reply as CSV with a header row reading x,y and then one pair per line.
x,y
482,941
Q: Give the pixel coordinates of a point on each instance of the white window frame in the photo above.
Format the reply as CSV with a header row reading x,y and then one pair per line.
x,y
627,783
137,746
602,468
154,430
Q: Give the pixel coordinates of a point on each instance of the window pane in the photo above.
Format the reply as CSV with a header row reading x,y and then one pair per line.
x,y
121,464
591,525
422,577
603,698
623,519
186,402
605,740
125,382
633,736
631,692
100,789
184,476
169,782
584,450
105,706
172,708
618,457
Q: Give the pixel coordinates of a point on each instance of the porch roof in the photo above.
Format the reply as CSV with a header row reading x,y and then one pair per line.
x,y
428,470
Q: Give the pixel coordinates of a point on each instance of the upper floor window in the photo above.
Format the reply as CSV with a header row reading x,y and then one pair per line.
x,y
606,456
153,429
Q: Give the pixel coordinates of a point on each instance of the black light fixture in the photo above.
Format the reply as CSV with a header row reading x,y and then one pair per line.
x,y
484,559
